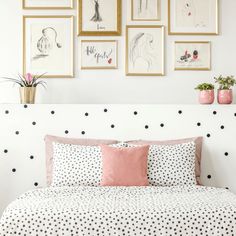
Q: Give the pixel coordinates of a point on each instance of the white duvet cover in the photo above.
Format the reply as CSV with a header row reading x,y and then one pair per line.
x,y
122,211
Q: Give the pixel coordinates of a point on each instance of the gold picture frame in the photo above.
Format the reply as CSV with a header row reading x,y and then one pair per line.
x,y
199,68
146,19
25,18
214,32
100,67
82,32
25,7
161,71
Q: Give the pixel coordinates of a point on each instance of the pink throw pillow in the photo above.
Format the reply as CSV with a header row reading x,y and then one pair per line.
x,y
124,166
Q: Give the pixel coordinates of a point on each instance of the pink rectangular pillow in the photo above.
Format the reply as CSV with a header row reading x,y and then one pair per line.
x,y
124,166
198,154
49,140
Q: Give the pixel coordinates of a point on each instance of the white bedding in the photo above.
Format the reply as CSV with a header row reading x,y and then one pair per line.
x,y
119,211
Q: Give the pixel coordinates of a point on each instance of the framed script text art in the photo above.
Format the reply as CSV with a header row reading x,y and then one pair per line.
x,y
145,10
193,17
47,4
145,50
48,46
192,55
99,17
99,54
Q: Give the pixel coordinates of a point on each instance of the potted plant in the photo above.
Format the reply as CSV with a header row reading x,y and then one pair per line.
x,y
206,93
225,93
28,84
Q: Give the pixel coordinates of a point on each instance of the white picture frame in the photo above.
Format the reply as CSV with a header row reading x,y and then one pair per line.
x,y
47,4
48,46
145,50
192,55
99,54
145,10
193,17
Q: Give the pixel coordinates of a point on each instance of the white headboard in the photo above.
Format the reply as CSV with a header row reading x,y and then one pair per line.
x,y
22,130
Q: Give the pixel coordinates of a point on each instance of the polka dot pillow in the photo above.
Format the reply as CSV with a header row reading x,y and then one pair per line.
x,y
77,165
171,165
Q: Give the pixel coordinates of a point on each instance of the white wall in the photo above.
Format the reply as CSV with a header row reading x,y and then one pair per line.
x,y
113,86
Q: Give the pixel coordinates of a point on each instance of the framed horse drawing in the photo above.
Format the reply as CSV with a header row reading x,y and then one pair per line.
x,y
145,50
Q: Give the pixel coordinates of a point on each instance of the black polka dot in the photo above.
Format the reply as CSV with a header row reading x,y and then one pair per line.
x,y
105,110
36,184
214,112
66,132
31,157
198,124
25,106
13,170
226,154
234,114
146,126
208,135
5,151
86,114
227,188
33,123
222,127
83,132
112,126
162,125
180,112
209,176
6,112
17,132
135,113
52,112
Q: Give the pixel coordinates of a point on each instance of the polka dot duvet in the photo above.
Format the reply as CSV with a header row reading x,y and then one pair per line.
x,y
118,211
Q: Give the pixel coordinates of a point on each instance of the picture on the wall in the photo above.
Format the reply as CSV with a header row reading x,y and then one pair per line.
x,y
193,17
99,17
192,55
99,54
145,10
145,50
48,46
47,4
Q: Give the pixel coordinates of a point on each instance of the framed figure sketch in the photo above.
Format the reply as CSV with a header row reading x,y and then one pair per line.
x,y
193,17
99,17
99,54
47,4
192,55
48,46
145,50
145,10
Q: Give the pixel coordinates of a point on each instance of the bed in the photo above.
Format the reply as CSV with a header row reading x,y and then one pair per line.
x,y
118,211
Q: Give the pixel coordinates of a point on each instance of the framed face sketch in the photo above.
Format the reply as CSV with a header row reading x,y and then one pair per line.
x,y
145,50
99,17
145,10
47,4
99,54
192,55
193,17
48,46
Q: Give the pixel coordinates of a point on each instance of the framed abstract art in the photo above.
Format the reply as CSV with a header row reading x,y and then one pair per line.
x,y
99,54
193,17
47,4
145,10
99,17
145,50
191,55
48,46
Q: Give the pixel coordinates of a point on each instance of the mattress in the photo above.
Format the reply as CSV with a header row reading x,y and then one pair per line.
x,y
122,211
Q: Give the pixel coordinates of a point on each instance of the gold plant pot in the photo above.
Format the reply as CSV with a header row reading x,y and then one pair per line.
x,y
27,95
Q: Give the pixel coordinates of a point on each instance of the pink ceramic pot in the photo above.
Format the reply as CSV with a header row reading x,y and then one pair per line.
x,y
225,96
206,97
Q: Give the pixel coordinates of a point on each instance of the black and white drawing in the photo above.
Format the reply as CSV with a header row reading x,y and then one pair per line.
x,y
144,50
145,10
96,17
